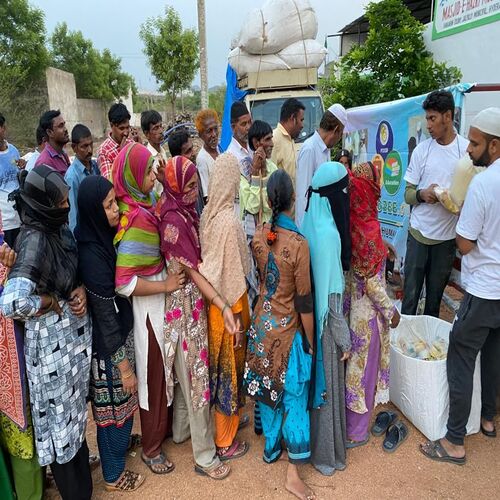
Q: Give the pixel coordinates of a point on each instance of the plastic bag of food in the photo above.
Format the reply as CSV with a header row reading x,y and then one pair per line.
x,y
443,195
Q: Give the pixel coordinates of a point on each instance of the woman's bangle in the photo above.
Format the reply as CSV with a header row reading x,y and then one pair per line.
x,y
127,375
226,305
213,298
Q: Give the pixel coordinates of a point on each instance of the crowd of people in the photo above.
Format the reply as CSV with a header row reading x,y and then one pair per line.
x,y
176,285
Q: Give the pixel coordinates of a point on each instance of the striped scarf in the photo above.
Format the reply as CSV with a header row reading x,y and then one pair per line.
x,y
137,238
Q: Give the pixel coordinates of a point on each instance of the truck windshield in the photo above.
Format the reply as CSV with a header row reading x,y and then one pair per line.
x,y
268,110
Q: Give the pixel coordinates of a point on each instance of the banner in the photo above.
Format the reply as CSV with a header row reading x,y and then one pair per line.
x,y
386,134
454,16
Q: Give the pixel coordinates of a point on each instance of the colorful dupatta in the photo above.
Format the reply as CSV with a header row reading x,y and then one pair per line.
x,y
368,249
179,221
137,238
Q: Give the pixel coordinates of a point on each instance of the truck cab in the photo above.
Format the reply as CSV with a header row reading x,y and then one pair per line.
x,y
268,90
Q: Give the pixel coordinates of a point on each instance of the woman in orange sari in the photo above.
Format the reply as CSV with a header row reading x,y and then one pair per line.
x,y
225,263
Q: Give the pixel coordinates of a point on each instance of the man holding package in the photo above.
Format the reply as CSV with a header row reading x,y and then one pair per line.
x,y
431,240
477,325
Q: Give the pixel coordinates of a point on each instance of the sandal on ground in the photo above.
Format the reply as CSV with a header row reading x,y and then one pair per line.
x,y
382,422
244,421
490,434
161,459
435,451
134,442
94,461
357,444
128,481
236,450
218,473
395,435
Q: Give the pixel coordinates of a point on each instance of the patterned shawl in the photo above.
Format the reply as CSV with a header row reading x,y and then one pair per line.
x,y
179,222
12,374
368,249
137,237
225,254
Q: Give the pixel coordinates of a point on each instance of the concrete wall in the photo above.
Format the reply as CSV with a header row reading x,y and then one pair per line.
x,y
477,53
94,114
61,90
62,95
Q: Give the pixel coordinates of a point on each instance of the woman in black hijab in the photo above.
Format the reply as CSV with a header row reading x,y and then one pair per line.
x,y
113,385
44,292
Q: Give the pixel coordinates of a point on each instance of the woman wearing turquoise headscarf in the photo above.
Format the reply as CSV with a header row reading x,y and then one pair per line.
x,y
278,361
326,227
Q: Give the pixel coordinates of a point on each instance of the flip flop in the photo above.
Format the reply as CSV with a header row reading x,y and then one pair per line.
x,y
357,444
490,434
382,422
161,459
218,473
236,450
395,435
435,451
129,481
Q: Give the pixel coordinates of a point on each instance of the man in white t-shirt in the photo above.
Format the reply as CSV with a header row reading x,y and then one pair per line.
x,y
431,246
477,325
207,124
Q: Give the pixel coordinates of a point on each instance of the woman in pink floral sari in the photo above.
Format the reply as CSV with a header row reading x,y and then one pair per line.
x,y
186,330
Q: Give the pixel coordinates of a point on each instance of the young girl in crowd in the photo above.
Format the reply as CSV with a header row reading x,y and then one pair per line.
x,y
44,292
278,362
113,385
369,310
185,333
226,262
140,273
326,227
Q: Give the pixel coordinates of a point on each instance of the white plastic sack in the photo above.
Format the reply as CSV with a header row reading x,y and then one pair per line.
x,y
420,388
278,24
306,54
244,63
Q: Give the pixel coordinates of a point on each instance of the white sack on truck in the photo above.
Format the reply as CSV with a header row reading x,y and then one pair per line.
x,y
303,54
278,24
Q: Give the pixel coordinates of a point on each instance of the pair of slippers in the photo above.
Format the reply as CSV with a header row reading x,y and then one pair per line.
x,y
396,431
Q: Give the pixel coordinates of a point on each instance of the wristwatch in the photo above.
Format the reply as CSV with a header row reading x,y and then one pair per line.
x,y
417,195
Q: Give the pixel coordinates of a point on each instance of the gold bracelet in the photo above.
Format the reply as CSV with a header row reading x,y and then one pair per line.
x,y
127,375
214,297
224,308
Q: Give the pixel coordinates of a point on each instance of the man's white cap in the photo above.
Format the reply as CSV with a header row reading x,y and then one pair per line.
x,y
488,121
340,113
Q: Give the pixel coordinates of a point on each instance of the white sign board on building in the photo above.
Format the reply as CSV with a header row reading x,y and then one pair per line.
x,y
455,16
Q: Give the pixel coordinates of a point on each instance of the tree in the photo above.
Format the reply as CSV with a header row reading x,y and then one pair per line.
x,y
97,76
172,52
23,60
392,64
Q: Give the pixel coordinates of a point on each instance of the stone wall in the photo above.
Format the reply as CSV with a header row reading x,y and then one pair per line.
x,y
94,114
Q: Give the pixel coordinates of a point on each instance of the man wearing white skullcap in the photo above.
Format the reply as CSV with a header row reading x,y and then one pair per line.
x,y
316,151
477,326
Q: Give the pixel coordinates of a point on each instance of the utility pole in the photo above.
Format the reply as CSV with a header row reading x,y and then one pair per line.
x,y
202,37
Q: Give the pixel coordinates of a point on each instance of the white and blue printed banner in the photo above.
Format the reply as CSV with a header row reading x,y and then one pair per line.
x,y
386,134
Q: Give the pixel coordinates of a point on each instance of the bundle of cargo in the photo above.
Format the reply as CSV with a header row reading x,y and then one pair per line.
x,y
279,36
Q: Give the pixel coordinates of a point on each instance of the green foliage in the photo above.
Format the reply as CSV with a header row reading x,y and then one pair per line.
x,y
172,52
22,41
97,75
392,64
216,97
23,60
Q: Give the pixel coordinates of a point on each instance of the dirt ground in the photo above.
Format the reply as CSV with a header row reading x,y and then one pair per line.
x,y
370,474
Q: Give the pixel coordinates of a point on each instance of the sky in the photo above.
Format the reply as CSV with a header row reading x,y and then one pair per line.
x,y
115,24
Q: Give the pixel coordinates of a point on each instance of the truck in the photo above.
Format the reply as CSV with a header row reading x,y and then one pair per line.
x,y
266,91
